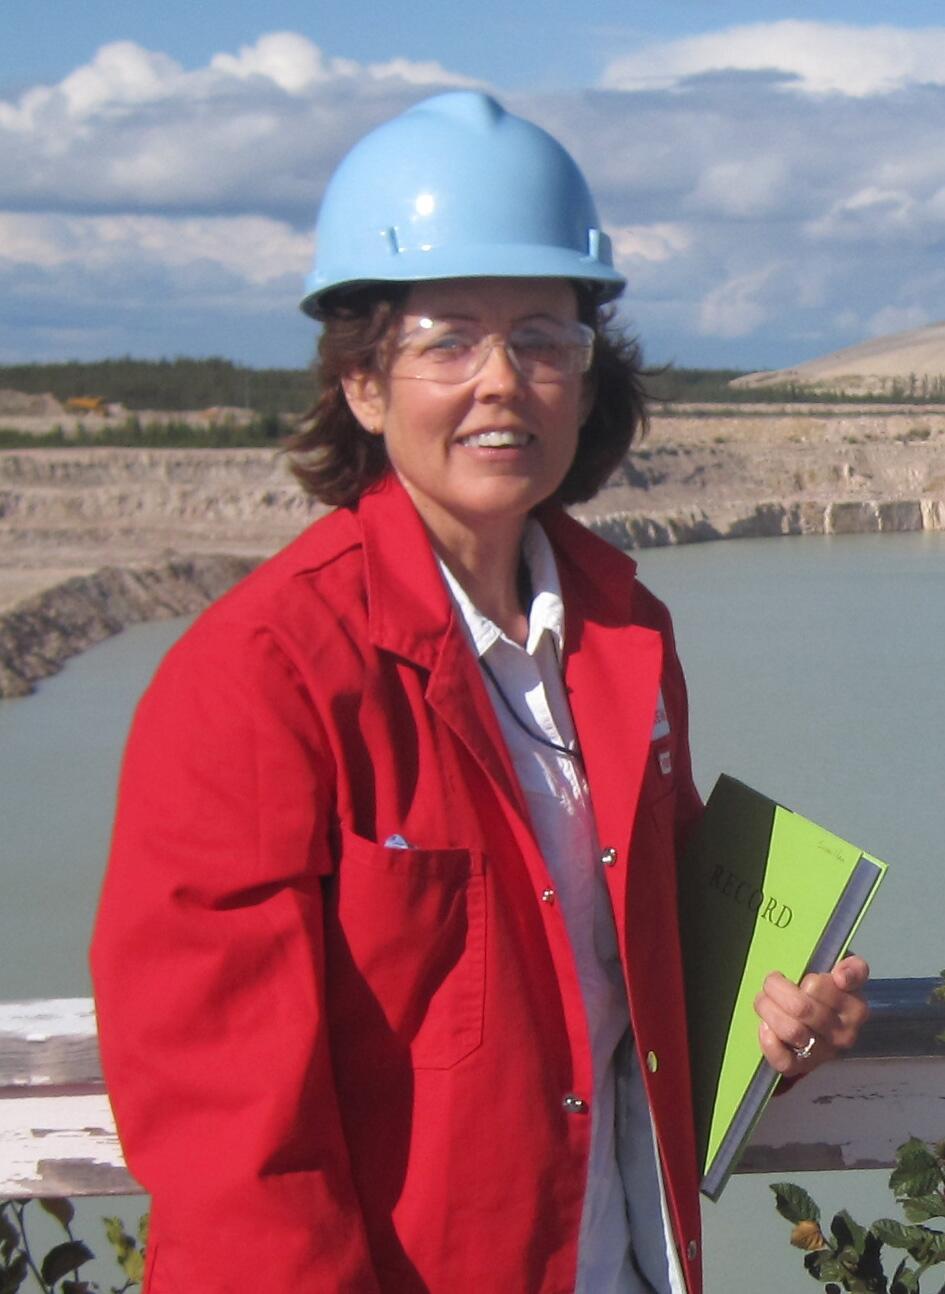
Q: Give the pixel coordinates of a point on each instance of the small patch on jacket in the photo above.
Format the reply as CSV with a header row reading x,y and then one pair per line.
x,y
660,719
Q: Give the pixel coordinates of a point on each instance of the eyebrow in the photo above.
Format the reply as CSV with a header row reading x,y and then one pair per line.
x,y
456,316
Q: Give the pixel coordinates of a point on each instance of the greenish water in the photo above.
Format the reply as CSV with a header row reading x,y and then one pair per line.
x,y
60,751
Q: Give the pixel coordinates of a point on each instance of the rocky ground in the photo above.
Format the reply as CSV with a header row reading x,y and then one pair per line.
x,y
94,538
756,470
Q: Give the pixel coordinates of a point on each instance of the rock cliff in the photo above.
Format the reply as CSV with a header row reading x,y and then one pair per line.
x,y
94,539
41,632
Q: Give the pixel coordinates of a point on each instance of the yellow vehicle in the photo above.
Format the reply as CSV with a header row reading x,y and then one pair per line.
x,y
87,404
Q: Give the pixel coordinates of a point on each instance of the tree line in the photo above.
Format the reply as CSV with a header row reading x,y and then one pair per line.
x,y
174,385
168,385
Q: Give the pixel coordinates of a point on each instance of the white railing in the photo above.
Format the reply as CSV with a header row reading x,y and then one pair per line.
x,y
57,1135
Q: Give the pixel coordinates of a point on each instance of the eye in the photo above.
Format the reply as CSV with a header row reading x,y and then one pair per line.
x,y
537,343
449,343
437,341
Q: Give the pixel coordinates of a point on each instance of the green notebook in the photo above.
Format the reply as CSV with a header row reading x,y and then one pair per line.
x,y
761,889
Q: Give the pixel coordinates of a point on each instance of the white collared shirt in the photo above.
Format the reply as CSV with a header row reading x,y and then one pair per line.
x,y
622,1165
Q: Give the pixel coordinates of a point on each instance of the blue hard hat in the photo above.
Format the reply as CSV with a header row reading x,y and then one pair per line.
x,y
456,187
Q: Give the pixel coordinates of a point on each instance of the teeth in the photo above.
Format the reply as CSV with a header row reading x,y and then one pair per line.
x,y
497,439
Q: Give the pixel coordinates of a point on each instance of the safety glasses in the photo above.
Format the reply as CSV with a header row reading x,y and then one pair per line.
x,y
450,351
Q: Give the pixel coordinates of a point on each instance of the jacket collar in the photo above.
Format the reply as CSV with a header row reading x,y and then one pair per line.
x,y
409,608
409,605
601,577
411,614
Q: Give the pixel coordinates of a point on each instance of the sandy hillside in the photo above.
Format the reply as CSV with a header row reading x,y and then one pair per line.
x,y
913,360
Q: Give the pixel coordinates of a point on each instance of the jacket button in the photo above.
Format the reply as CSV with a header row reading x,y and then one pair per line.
x,y
609,856
574,1105
547,896
692,1251
652,1061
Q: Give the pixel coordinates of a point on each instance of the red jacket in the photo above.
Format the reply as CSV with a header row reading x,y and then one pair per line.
x,y
340,1066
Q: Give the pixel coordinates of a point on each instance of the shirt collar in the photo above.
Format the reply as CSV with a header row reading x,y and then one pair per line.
x,y
547,610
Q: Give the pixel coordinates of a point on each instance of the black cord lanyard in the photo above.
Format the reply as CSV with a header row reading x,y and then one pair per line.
x,y
526,728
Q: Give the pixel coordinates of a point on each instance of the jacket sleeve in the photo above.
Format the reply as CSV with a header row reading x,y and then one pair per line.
x,y
208,964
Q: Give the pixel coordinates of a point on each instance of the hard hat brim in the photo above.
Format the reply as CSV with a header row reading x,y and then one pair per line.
x,y
519,262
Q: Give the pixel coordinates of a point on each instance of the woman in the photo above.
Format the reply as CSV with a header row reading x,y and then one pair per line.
x,y
387,961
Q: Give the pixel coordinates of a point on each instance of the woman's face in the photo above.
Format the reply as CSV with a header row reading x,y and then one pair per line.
x,y
486,450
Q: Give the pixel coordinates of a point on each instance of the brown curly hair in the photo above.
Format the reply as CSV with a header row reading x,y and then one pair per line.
x,y
336,460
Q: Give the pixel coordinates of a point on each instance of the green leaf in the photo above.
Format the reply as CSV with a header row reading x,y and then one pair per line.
x,y
143,1229
923,1243
133,1266
849,1259
896,1233
9,1232
917,1170
60,1209
130,1257
924,1207
15,1275
823,1266
118,1238
935,1253
847,1232
794,1204
63,1259
904,1281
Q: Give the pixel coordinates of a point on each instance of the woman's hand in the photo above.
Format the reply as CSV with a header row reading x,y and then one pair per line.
x,y
804,1025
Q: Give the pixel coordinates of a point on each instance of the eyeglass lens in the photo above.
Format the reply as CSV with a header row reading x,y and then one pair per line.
x,y
444,351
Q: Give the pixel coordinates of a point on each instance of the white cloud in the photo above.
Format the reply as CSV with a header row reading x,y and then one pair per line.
x,y
258,130
659,242
818,58
254,247
120,74
748,186
736,307
289,61
420,74
869,211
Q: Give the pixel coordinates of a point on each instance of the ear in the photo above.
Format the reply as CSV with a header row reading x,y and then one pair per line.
x,y
365,397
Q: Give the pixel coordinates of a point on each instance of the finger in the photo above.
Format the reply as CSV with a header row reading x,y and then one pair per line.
x,y
796,1024
784,1059
807,999
824,988
851,974
815,1007
778,1056
849,1008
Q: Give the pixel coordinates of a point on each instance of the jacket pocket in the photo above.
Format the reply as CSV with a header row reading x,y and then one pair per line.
x,y
414,924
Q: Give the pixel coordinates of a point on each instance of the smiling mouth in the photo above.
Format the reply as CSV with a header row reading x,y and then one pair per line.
x,y
496,440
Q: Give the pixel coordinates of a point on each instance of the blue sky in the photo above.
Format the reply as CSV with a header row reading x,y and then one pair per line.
x,y
773,178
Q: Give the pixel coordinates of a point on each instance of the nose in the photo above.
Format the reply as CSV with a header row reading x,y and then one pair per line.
x,y
498,373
